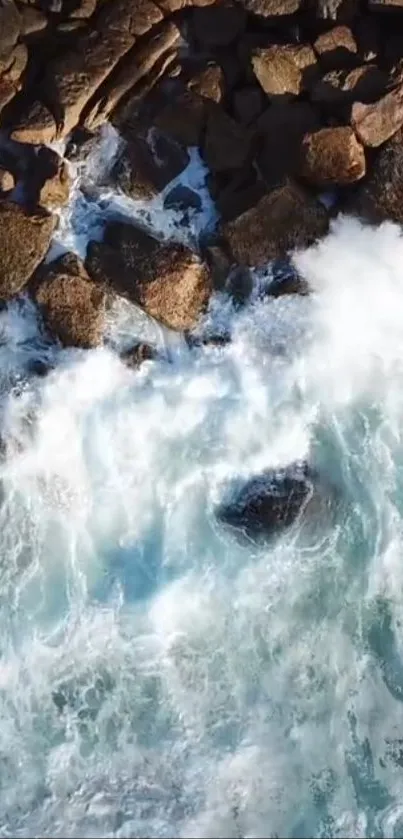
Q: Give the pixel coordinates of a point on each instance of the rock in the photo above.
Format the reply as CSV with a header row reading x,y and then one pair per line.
x,y
81,144
332,156
72,305
284,69
247,103
282,220
32,21
337,48
235,192
10,27
11,71
340,10
227,144
24,241
377,122
55,189
368,37
184,118
219,264
340,88
182,198
281,129
35,125
380,196
167,280
385,5
84,9
6,180
143,169
218,25
209,83
272,8
136,355
286,280
271,502
170,6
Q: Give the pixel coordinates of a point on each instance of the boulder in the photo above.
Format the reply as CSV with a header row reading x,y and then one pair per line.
x,y
380,196
338,89
342,11
284,70
284,219
72,305
11,72
83,9
35,125
6,180
184,118
24,241
385,5
10,27
271,502
32,21
272,8
247,103
209,83
167,280
332,157
54,179
281,129
235,192
336,49
226,144
218,25
378,121
136,355
143,169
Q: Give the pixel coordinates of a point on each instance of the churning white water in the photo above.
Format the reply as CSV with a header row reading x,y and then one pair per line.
x,y
157,677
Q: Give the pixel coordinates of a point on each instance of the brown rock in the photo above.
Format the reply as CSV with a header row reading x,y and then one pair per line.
x,y
170,6
247,103
218,25
56,188
72,305
337,48
377,122
282,220
332,156
11,71
272,8
168,281
10,27
143,169
340,88
6,180
281,129
209,83
227,144
24,241
380,196
283,69
84,9
32,21
184,118
35,125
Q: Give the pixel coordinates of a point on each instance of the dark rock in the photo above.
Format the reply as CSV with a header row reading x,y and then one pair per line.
x,y
32,21
338,89
219,264
81,144
377,122
209,83
136,355
284,219
380,196
219,24
72,305
284,70
168,281
247,103
35,125
281,129
24,241
332,156
385,5
235,192
143,169
54,179
286,280
12,70
342,11
38,367
184,118
182,198
368,38
337,49
227,144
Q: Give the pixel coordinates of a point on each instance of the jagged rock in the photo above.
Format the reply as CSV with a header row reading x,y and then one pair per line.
x,y
10,27
380,196
182,198
332,156
84,9
11,71
54,175
170,6
74,76
283,219
136,74
235,192
273,501
218,25
281,129
226,144
377,122
136,355
284,70
6,180
340,88
272,8
184,118
24,241
247,103
35,125
72,305
209,83
385,5
167,280
32,21
81,144
337,49
143,169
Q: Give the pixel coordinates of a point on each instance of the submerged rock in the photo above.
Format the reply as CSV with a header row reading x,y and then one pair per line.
x,y
136,355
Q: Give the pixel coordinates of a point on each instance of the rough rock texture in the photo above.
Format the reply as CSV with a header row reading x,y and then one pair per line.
x,y
281,129
72,305
272,8
35,125
332,156
283,219
227,144
10,27
336,48
6,180
209,83
32,21
144,168
24,241
339,89
184,118
377,122
168,281
380,196
11,71
284,70
55,189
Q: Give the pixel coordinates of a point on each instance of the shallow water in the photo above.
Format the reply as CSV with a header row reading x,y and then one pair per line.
x,y
157,677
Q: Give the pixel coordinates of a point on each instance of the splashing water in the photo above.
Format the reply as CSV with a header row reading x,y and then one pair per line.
x,y
157,677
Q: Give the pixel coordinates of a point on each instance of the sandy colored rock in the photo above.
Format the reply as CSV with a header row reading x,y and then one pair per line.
x,y
332,156
209,82
377,122
24,241
10,27
272,8
284,219
32,20
277,70
6,180
56,188
167,280
35,125
336,48
72,305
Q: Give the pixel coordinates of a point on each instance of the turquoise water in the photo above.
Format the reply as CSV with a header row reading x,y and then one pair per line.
x,y
157,676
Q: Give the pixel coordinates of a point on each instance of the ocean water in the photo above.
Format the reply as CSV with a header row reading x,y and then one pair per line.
x,y
157,676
